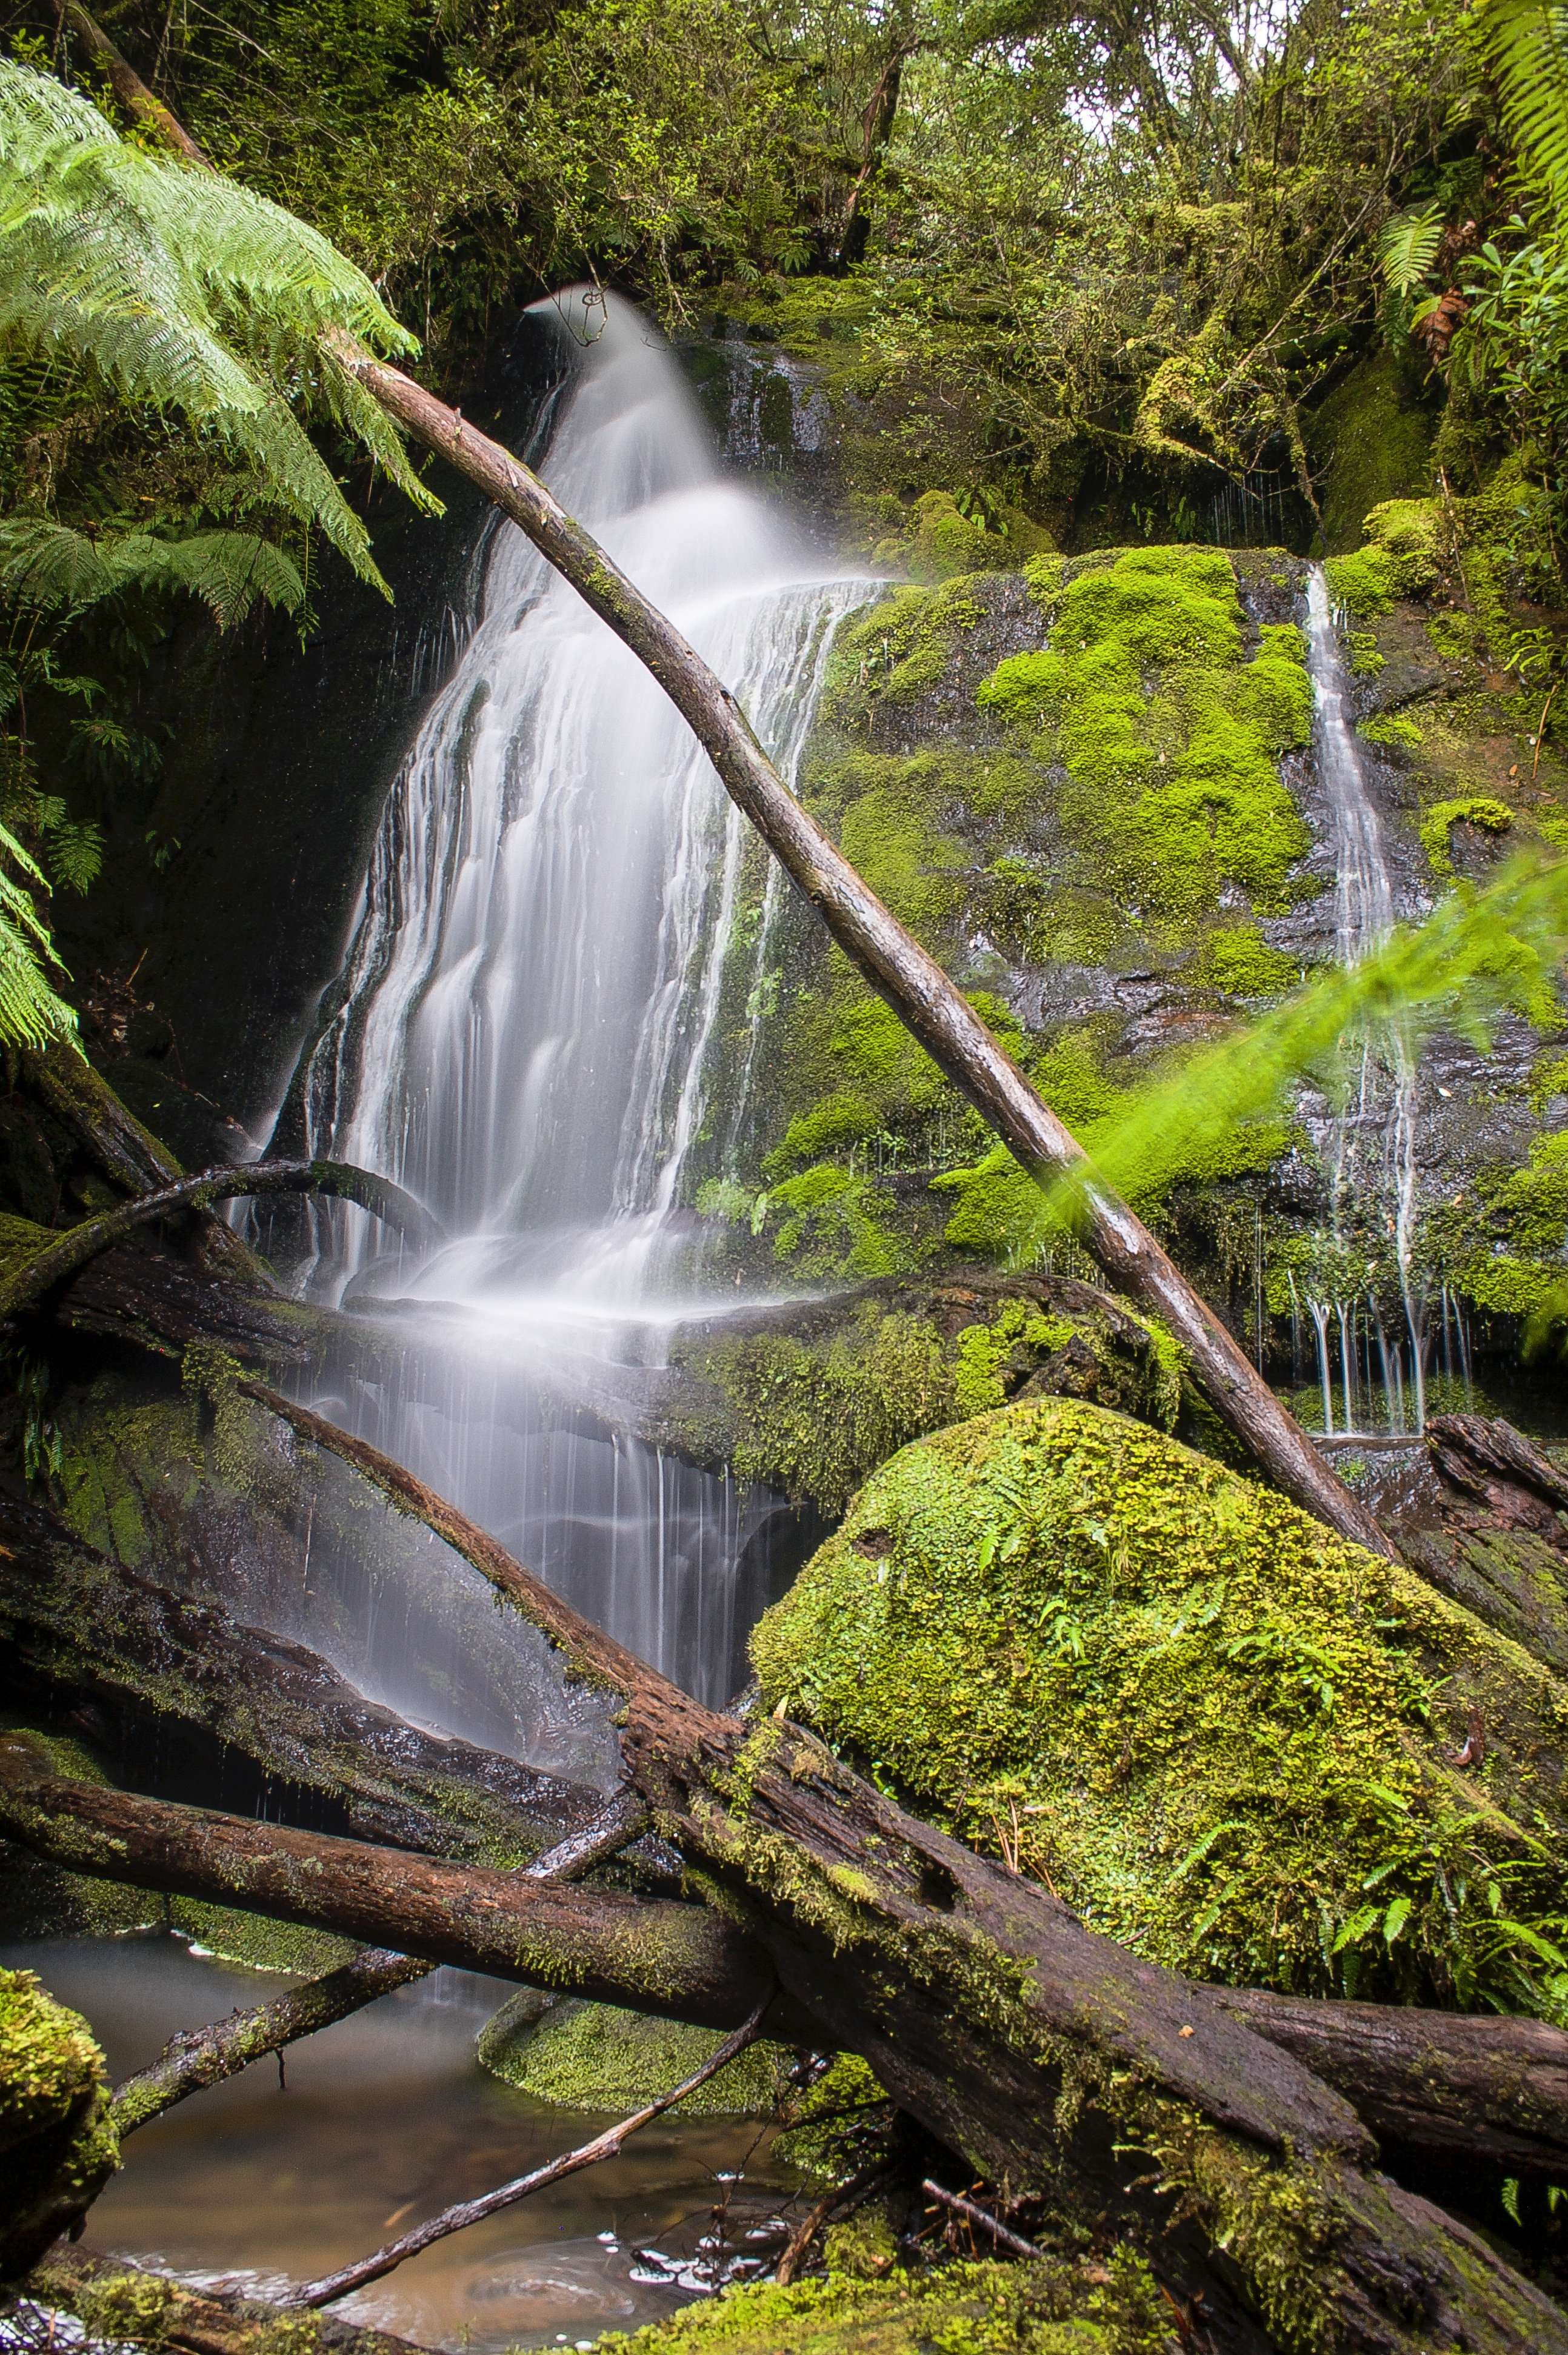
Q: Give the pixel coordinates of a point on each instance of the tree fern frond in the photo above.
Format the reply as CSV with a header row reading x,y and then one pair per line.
x,y
1526,44
44,564
31,1014
186,292
1408,246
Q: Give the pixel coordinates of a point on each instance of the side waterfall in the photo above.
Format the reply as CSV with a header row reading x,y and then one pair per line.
x,y
524,1031
1384,1104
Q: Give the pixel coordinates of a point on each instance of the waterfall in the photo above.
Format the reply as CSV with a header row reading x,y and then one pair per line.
x,y
524,1031
1385,1101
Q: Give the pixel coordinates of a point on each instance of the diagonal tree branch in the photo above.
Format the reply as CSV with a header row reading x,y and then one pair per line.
x,y
472,2211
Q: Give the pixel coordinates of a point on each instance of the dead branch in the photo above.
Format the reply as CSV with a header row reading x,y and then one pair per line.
x,y
72,1251
471,2212
1000,2234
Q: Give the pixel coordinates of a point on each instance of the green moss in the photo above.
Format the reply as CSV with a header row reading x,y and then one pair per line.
x,y
837,1121
839,2127
1225,1731
1372,444
1174,792
1473,809
1238,960
57,2141
1391,728
590,2056
1048,2307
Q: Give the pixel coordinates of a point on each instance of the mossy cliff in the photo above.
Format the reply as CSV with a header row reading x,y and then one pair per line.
x,y
1224,1736
57,2143
1088,786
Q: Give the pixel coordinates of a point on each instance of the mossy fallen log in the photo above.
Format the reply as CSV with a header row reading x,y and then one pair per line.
x,y
59,2144
592,2056
1241,1746
119,2304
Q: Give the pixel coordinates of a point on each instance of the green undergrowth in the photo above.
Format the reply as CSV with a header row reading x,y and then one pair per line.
x,y
1051,2306
1168,740
1223,1735
839,2127
814,1417
591,2056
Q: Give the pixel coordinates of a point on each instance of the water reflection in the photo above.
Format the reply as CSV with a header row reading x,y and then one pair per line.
x,y
386,2117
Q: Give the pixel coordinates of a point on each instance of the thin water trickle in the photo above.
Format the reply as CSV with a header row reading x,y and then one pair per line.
x,y
1379,1128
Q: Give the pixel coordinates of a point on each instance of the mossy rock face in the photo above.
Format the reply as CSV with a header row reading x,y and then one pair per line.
x,y
1046,2308
815,1399
1225,1735
591,2056
57,2143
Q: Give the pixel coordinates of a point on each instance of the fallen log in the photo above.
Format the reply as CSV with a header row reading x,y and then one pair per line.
x,y
75,1620
123,2305
1441,2083
198,2057
22,1286
1048,2055
679,1961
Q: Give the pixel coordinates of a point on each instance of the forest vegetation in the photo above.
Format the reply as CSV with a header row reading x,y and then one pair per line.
x,y
1126,1815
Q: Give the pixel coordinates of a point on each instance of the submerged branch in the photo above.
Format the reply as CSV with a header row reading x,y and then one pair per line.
x,y
79,1244
506,2195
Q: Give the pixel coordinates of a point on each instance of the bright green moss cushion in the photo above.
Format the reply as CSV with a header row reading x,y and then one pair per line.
x,y
1225,1735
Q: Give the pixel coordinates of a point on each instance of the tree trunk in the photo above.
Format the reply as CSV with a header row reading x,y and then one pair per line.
x,y
1443,2083
653,1955
1047,2055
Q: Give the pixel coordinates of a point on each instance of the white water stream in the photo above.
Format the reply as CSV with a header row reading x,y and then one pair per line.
x,y
525,1036
1384,1107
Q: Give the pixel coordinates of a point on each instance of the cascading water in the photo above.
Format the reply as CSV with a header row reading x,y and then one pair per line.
x,y
523,1033
1383,1109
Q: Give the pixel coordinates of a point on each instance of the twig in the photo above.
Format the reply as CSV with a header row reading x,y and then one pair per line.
x,y
332,2286
973,2215
800,2240
1540,729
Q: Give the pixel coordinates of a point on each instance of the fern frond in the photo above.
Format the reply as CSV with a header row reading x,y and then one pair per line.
x,y
44,564
1526,44
1408,246
184,290
31,1013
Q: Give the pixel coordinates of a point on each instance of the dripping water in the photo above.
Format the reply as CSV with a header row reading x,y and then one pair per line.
x,y
1383,1105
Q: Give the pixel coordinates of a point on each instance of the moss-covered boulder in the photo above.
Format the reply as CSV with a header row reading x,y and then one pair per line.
x,y
1244,1747
591,2056
57,2143
1053,2307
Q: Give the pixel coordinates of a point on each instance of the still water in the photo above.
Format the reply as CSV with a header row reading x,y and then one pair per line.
x,y
387,2117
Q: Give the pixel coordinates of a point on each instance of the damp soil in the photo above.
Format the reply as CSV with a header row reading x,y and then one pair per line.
x,y
382,2120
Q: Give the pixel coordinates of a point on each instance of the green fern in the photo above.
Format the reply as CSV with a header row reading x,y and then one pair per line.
x,y
46,565
1408,246
1526,45
188,293
31,1014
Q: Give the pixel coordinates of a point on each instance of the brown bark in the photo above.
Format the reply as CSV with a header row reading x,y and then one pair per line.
x,y
67,1252
75,1620
128,86
681,1962
199,2057
1438,2081
117,2301
900,971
